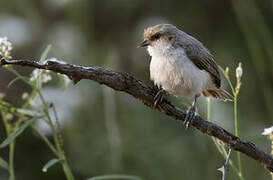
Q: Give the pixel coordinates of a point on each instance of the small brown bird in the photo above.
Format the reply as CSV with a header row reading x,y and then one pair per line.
x,y
182,66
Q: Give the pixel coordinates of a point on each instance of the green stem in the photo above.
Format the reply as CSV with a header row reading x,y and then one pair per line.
x,y
9,128
235,115
57,153
61,154
11,160
50,145
237,134
220,148
67,170
55,137
228,80
235,92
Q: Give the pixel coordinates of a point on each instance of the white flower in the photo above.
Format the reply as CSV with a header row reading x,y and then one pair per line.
x,y
46,77
267,131
239,71
9,116
34,75
44,74
25,95
5,48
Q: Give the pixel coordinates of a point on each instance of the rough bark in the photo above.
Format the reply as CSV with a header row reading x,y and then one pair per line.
x,y
127,83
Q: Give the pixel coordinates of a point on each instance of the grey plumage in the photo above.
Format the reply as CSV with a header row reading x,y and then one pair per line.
x,y
195,51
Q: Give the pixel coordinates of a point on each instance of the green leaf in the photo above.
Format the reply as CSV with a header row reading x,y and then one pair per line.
x,y
50,163
45,53
17,78
11,82
29,112
16,133
115,176
4,164
23,78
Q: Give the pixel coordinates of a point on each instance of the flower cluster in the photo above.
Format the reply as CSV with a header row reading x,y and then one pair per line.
x,y
9,116
239,74
5,48
268,131
25,95
44,74
239,71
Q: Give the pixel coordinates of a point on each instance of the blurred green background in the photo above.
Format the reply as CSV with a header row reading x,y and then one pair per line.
x,y
108,132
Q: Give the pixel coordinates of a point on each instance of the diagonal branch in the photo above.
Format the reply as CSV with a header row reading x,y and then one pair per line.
x,y
127,83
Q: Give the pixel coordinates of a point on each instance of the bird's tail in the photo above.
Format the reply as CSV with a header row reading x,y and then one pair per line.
x,y
219,94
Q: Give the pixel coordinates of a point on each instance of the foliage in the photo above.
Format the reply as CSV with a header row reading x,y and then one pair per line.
x,y
103,33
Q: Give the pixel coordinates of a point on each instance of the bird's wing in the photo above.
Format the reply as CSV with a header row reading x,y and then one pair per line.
x,y
204,61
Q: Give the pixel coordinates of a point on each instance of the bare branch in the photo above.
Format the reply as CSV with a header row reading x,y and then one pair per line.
x,y
127,83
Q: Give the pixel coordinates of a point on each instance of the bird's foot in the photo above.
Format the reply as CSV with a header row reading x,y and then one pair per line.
x,y
190,117
159,97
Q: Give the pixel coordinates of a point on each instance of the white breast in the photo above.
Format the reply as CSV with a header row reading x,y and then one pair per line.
x,y
172,70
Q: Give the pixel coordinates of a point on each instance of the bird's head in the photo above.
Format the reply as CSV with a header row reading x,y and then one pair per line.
x,y
160,38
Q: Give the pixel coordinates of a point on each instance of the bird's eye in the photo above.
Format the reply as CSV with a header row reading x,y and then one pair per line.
x,y
156,36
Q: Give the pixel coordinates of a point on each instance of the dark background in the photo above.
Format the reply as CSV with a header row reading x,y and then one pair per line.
x,y
107,132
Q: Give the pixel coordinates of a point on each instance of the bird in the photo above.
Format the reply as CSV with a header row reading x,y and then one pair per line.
x,y
182,66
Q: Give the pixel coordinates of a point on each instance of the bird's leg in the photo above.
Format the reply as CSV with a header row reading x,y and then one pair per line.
x,y
159,97
191,112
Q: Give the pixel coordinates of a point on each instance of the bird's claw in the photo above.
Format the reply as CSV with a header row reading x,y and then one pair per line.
x,y
189,117
159,97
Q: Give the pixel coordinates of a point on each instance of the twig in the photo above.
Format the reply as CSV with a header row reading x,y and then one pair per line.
x,y
223,169
127,83
58,124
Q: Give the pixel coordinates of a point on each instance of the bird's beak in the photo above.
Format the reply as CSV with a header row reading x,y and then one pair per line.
x,y
144,43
